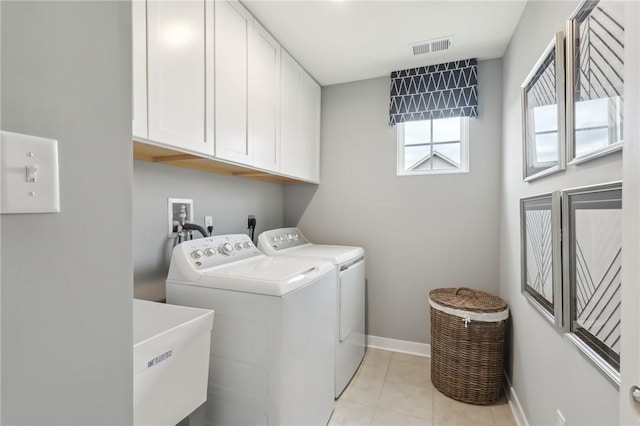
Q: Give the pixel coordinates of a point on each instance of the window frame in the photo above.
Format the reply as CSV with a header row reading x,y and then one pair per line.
x,y
551,311
581,14
556,47
574,333
464,150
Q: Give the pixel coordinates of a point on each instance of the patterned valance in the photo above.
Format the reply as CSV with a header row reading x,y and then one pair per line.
x,y
434,91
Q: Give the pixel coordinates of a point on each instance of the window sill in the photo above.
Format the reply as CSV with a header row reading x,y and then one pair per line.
x,y
432,172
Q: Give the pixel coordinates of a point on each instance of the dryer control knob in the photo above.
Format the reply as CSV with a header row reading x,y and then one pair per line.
x,y
238,246
197,254
289,237
226,249
209,251
247,245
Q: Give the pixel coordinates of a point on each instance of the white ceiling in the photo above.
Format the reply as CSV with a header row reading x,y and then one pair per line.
x,y
339,41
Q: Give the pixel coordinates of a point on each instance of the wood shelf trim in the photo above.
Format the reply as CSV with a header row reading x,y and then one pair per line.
x,y
251,174
177,157
153,153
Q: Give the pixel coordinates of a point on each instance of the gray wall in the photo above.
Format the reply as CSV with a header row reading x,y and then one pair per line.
x,y
0,221
66,277
228,199
629,369
547,371
419,232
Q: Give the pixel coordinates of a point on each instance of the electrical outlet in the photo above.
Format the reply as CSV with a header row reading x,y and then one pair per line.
x,y
174,209
560,420
250,220
208,221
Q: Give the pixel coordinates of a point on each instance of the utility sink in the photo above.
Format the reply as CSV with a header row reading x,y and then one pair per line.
x,y
171,346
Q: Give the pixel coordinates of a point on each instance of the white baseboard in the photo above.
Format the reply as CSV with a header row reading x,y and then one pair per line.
x,y
514,403
402,346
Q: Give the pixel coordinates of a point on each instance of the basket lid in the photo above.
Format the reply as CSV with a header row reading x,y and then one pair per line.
x,y
468,299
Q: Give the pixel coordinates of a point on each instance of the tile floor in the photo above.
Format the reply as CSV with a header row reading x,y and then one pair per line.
x,y
394,389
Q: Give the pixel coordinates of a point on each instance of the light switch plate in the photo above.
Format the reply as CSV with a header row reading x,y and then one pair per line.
x,y
29,174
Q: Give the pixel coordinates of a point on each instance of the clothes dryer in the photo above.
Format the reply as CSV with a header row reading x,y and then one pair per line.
x,y
350,293
272,344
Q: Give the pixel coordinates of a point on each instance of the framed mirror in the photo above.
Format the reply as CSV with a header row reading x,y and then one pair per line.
x,y
543,113
592,254
540,251
595,80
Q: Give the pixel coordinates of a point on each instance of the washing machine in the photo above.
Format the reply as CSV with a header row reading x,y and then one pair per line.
x,y
272,342
350,293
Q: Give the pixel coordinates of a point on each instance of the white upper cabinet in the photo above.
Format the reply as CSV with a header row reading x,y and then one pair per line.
x,y
233,44
299,121
208,79
310,151
139,63
180,77
264,95
290,114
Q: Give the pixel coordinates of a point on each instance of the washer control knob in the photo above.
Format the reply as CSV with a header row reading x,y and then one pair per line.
x,y
226,249
197,254
296,236
274,239
238,246
289,237
209,251
247,245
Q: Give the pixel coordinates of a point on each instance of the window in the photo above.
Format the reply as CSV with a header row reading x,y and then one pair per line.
x,y
598,124
546,135
433,146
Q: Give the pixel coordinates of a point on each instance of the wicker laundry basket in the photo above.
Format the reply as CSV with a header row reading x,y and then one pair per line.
x,y
468,330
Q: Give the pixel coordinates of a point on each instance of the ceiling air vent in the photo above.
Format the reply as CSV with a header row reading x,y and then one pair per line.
x,y
432,46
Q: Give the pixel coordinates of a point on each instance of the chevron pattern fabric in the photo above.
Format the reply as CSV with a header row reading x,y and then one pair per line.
x,y
434,91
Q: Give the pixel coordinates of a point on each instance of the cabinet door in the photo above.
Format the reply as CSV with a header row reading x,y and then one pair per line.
x,y
263,99
290,114
233,27
177,42
310,128
139,63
